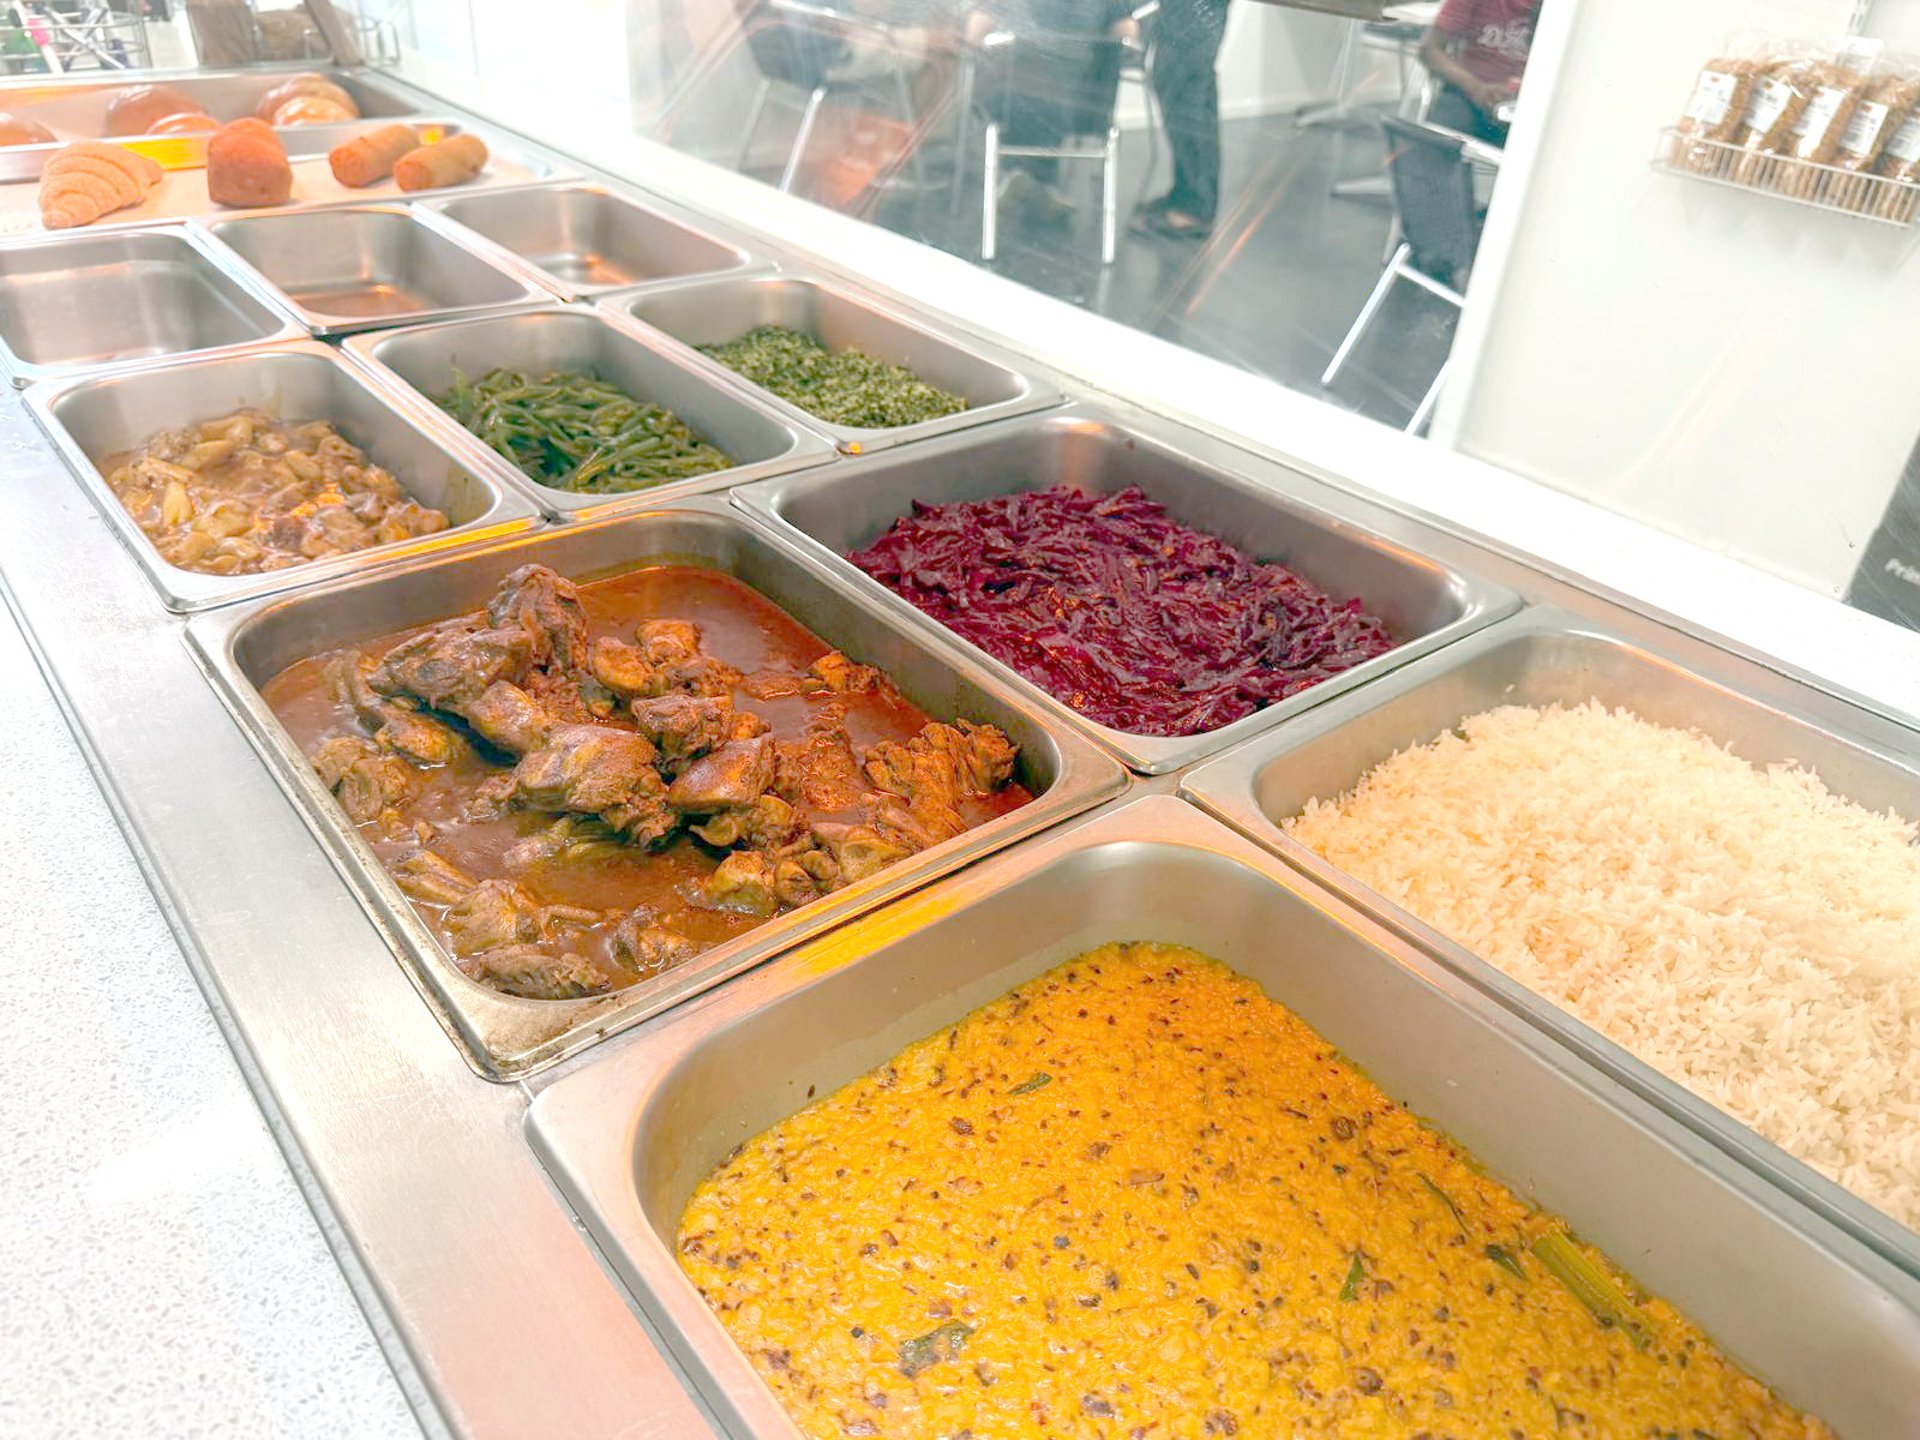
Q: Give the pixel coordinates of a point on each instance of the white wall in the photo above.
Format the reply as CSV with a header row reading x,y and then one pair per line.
x,y
1733,368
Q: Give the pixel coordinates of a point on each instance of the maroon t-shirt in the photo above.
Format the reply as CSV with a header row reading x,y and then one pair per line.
x,y
1494,35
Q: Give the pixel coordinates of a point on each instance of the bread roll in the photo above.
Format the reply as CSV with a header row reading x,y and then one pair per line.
x,y
370,157
313,110
18,130
308,84
453,161
87,180
134,110
247,166
190,123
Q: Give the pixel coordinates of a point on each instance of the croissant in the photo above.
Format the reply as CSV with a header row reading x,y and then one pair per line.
x,y
88,179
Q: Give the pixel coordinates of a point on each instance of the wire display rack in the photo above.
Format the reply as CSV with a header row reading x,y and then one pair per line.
x,y
1877,198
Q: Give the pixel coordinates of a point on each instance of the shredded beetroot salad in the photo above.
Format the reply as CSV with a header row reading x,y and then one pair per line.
x,y
1110,605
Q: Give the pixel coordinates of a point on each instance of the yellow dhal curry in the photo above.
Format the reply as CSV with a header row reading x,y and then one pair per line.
x,y
1137,1198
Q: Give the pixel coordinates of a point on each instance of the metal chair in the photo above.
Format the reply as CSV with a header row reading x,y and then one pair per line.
x,y
805,48
1081,74
1433,200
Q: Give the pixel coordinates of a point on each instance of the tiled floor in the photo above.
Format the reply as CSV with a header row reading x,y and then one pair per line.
x,y
1273,290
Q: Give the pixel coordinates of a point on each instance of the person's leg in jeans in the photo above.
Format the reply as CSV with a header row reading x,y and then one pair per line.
x,y
1187,38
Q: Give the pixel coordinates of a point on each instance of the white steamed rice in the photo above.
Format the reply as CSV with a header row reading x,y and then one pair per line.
x,y
1743,931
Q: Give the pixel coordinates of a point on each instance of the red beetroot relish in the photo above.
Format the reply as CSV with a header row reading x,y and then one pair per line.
x,y
1110,605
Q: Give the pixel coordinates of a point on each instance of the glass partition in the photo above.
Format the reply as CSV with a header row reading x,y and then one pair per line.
x,y
1215,173
1655,256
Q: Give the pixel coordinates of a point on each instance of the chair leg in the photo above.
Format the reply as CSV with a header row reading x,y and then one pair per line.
x,y
990,198
754,111
910,118
799,150
963,121
1367,312
1340,108
1153,136
1423,413
1109,194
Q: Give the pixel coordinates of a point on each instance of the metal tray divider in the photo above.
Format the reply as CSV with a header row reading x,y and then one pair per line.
x,y
506,1037
808,449
1225,789
1484,602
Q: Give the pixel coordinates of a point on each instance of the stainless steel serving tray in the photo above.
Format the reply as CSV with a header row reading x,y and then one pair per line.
x,y
73,302
715,311
629,1135
311,258
91,419
75,108
503,1036
1544,657
421,360
1425,603
584,239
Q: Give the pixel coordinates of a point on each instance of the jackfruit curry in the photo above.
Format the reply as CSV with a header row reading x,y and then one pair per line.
x,y
583,786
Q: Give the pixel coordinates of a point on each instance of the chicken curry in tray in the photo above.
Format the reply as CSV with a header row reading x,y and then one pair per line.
x,y
582,786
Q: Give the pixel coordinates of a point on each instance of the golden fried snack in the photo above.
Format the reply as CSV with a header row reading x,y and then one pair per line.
x,y
453,161
89,179
247,166
372,156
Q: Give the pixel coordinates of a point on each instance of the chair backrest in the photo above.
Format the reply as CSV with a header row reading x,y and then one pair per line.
x,y
786,47
1078,73
1433,191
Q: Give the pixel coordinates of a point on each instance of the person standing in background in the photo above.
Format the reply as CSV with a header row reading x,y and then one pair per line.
x,y
1186,49
1477,50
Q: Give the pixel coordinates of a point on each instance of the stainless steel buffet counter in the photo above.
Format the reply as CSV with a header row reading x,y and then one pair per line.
x,y
517,1277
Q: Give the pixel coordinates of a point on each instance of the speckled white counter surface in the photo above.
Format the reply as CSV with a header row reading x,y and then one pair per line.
x,y
162,1274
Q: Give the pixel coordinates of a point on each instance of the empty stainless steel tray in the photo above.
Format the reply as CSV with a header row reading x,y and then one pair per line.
x,y
586,240
1545,657
423,360
503,1036
77,301
714,312
358,267
1425,604
90,420
629,1135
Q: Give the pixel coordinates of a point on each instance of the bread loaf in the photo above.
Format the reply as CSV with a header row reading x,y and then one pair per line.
x,y
132,111
18,130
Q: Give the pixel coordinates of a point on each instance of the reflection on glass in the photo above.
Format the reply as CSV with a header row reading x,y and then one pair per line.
x,y
1218,174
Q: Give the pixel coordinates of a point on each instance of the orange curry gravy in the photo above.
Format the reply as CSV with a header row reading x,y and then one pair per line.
x,y
738,626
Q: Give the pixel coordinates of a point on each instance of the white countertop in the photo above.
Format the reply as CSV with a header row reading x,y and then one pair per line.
x,y
163,1275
